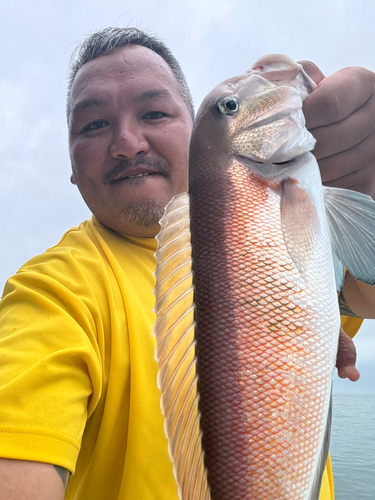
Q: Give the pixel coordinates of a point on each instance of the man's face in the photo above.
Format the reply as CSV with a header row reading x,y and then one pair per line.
x,y
129,133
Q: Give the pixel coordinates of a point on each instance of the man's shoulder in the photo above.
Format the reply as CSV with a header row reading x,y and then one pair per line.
x,y
75,241
76,238
85,258
76,257
75,266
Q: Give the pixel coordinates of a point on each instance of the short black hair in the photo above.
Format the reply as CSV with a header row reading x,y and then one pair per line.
x,y
109,39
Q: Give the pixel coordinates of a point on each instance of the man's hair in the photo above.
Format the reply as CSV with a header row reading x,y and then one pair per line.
x,y
109,39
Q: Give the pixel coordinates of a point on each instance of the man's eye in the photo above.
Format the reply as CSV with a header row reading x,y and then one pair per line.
x,y
96,125
154,115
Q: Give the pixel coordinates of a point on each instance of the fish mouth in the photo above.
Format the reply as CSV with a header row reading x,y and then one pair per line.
x,y
250,161
273,169
287,162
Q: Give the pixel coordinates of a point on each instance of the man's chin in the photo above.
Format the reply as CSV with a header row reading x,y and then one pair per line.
x,y
144,214
140,219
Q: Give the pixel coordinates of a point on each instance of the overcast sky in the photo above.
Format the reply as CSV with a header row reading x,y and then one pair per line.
x,y
213,40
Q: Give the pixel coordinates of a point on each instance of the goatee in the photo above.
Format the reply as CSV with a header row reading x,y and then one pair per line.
x,y
144,213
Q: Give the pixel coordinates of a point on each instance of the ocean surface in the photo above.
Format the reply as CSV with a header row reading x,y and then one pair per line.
x,y
353,446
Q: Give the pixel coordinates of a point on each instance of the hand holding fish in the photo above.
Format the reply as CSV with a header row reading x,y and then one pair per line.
x,y
340,114
346,358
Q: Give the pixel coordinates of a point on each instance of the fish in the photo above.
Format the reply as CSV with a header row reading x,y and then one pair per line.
x,y
249,263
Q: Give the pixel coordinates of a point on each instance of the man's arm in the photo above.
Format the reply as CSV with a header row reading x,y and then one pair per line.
x,y
24,480
358,297
346,358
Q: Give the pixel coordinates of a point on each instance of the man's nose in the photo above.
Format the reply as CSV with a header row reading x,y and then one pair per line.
x,y
128,141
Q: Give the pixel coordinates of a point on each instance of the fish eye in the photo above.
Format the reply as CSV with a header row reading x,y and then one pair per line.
x,y
228,105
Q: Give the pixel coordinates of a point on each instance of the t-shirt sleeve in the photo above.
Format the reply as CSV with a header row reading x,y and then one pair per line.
x,y
351,325
50,369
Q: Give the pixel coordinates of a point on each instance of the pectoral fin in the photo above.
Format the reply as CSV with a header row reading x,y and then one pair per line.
x,y
299,220
351,219
338,268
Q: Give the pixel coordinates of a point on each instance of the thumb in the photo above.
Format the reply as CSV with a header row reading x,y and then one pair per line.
x,y
312,70
346,358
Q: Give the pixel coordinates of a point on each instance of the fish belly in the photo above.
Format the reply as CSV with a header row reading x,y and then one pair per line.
x,y
266,341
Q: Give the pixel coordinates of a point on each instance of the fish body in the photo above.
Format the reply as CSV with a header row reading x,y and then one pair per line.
x,y
266,311
265,369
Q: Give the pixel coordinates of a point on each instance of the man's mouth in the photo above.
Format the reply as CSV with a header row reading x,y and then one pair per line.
x,y
135,176
143,167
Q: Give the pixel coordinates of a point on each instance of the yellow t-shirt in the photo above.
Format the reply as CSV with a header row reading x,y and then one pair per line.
x,y
77,369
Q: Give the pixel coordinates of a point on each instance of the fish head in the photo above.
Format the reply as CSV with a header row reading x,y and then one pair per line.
x,y
257,116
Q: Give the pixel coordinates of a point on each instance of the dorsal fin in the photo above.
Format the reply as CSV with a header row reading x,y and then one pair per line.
x,y
175,350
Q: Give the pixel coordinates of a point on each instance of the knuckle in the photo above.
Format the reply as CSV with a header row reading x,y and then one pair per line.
x,y
331,106
358,74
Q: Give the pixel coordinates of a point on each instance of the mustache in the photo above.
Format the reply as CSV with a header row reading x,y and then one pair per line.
x,y
160,166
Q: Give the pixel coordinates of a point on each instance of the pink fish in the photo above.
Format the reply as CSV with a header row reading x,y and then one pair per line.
x,y
262,333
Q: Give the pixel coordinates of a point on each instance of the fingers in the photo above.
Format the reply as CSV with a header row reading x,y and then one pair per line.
x,y
347,133
362,181
351,169
340,113
346,358
338,96
349,372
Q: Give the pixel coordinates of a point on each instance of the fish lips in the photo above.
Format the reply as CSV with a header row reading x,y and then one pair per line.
x,y
277,170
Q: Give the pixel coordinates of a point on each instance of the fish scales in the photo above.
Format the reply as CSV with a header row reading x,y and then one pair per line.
x,y
266,309
263,372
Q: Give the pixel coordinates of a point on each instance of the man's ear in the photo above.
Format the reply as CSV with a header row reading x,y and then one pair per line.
x,y
73,180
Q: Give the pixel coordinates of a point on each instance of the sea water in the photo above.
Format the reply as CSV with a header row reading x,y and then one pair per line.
x,y
353,446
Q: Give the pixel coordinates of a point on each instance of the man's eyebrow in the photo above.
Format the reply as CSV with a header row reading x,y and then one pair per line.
x,y
88,103
151,94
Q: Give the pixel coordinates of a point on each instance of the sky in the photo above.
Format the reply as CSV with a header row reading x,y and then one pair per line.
x,y
212,39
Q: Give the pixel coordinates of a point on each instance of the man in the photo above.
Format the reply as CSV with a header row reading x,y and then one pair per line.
x,y
78,377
